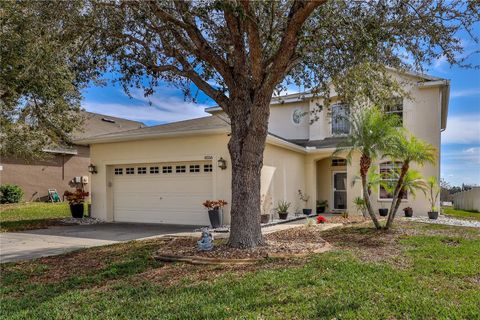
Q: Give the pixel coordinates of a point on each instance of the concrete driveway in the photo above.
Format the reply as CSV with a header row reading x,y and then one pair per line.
x,y
26,245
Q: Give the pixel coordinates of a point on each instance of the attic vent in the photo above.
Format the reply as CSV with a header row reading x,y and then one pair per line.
x,y
108,120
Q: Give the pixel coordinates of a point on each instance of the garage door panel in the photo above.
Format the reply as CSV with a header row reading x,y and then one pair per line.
x,y
174,198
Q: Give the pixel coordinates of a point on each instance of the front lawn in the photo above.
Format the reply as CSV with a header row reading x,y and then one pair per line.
x,y
33,215
461,214
417,271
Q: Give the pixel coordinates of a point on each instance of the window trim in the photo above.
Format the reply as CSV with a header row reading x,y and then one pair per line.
x,y
167,169
396,112
337,105
379,187
179,168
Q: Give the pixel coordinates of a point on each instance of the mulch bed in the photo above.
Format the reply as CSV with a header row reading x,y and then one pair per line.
x,y
294,242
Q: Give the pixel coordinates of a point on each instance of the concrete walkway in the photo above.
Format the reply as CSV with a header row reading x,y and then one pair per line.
x,y
26,245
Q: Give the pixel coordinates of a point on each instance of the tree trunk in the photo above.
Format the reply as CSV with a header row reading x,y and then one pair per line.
x,y
365,163
249,126
397,195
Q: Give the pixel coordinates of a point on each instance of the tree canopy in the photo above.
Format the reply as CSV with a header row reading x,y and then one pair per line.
x,y
237,52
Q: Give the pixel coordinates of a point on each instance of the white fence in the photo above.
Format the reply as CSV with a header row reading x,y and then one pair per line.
x,y
467,200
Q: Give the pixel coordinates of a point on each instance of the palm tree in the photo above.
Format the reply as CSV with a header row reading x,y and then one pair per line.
x,y
408,149
370,133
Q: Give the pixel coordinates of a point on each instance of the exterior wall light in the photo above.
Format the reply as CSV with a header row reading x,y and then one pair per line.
x,y
92,169
222,163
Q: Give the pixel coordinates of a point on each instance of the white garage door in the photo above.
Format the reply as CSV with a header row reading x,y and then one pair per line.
x,y
162,193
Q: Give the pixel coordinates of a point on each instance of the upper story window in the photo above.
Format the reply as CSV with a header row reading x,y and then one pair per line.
x,y
395,107
340,122
297,115
387,177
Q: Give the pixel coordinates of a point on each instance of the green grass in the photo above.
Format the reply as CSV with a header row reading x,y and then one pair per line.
x,y
24,216
434,275
462,214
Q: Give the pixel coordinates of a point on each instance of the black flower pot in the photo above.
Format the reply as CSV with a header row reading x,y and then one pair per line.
x,y
408,212
433,215
307,212
321,209
283,215
383,212
215,217
76,210
264,218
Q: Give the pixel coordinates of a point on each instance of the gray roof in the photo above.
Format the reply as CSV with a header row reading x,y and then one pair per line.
x,y
97,124
208,123
330,142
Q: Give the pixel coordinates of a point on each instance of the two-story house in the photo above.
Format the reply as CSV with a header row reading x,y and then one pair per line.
x,y
162,174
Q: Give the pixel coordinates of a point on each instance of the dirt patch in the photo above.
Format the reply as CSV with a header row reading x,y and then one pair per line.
x,y
291,242
170,274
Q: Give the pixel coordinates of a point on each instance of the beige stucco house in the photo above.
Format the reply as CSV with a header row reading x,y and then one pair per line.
x,y
162,174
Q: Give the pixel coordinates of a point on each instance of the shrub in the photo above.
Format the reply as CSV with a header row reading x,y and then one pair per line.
x,y
10,193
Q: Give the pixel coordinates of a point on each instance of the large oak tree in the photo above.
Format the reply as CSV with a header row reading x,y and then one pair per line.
x,y
240,53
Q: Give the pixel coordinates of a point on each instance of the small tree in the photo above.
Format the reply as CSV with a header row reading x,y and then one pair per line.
x,y
408,149
433,192
370,133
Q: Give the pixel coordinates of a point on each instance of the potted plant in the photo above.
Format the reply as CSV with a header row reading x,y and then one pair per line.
x,y
266,204
304,198
282,209
408,212
360,205
215,214
433,192
321,206
383,211
76,200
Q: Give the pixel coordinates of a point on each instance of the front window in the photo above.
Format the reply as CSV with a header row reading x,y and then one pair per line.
x,y
395,107
340,122
387,177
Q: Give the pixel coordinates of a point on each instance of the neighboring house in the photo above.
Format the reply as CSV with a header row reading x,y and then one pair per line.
x,y
60,165
162,174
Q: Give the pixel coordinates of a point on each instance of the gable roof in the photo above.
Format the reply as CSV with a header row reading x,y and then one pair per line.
x,y
96,124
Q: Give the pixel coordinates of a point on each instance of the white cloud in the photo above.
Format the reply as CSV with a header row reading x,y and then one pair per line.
x,y
462,129
465,93
158,108
467,156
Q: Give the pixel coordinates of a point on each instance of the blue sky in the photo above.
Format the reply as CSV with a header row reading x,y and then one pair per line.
x,y
460,162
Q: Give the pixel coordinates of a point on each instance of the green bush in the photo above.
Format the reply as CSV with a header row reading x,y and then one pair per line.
x,y
10,193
